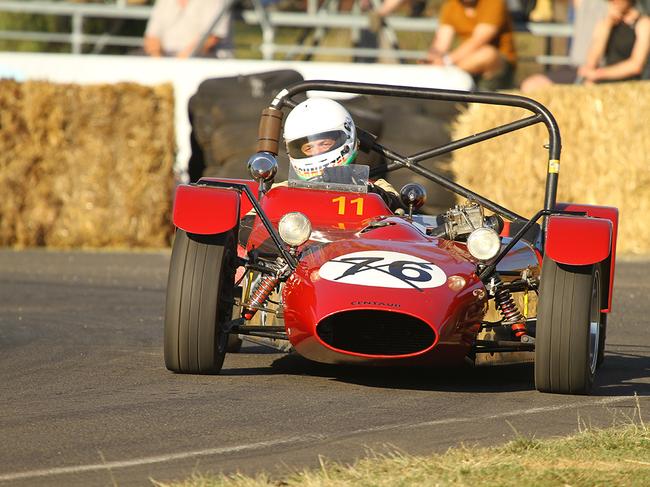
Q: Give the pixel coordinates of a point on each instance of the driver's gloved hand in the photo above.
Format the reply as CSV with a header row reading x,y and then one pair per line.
x,y
338,174
391,198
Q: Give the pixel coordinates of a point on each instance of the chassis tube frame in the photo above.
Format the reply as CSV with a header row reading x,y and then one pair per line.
x,y
541,115
277,240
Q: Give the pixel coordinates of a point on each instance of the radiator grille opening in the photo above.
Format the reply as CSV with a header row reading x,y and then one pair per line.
x,y
374,332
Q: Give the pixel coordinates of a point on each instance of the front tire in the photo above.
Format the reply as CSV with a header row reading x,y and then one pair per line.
x,y
569,324
199,300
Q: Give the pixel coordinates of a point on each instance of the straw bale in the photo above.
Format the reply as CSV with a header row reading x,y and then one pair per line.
x,y
605,156
85,166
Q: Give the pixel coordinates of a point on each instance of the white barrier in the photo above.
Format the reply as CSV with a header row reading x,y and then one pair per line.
x,y
186,75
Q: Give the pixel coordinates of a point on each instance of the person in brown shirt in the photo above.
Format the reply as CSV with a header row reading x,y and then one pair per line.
x,y
486,49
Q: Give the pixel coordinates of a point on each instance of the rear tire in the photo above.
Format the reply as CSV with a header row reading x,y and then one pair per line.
x,y
199,300
569,325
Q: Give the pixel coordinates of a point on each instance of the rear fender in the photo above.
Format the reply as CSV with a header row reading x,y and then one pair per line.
x,y
206,210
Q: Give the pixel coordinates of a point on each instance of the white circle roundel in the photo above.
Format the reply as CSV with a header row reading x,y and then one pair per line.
x,y
379,268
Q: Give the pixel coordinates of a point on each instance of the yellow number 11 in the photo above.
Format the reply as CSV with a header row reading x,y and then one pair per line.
x,y
341,200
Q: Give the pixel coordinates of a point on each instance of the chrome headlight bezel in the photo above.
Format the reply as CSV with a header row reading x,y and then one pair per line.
x,y
484,244
294,228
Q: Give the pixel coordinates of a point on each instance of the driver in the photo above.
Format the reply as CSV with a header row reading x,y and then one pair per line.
x,y
317,146
320,137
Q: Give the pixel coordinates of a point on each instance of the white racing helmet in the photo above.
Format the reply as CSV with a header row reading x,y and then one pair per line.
x,y
314,120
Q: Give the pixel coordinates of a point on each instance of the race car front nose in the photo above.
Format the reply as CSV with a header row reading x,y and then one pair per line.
x,y
376,333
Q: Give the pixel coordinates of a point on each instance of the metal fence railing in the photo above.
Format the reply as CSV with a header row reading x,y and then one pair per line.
x,y
318,19
78,13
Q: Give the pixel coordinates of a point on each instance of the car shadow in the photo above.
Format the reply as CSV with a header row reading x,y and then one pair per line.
x,y
620,375
482,379
452,379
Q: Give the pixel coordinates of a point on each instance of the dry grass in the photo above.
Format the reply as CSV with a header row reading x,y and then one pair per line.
x,y
618,456
605,157
85,166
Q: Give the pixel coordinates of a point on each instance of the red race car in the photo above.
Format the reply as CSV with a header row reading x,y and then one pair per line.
x,y
327,266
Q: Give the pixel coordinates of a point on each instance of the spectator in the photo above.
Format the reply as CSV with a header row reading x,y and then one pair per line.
x,y
619,48
622,41
486,49
519,10
177,26
587,13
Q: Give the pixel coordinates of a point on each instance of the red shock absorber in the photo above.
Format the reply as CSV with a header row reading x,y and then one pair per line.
x,y
262,291
508,308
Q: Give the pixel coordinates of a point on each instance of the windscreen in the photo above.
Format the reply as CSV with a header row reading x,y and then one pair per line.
x,y
352,178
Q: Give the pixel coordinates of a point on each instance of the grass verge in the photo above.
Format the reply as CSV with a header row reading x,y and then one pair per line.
x,y
594,457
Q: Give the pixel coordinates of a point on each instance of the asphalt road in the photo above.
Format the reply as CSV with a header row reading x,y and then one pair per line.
x,y
85,398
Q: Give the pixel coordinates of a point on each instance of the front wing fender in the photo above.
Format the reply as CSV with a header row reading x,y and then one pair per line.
x,y
206,210
577,240
609,266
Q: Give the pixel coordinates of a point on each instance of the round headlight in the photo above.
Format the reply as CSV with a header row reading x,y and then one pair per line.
x,y
294,228
483,243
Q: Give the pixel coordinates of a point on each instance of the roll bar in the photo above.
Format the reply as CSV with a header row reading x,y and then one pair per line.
x,y
541,114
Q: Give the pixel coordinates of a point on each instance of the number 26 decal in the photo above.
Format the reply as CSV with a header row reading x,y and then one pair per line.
x,y
342,205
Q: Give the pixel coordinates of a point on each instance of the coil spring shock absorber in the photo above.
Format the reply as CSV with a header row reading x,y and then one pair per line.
x,y
262,291
508,308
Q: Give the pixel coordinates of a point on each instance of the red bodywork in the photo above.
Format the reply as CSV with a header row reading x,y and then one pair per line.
x,y
593,236
348,223
204,210
453,315
587,242
385,268
245,205
326,210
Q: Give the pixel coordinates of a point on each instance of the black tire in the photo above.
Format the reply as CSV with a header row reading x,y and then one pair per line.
x,y
224,110
199,299
234,343
234,139
569,323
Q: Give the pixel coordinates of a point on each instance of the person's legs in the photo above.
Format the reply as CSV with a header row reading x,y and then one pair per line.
x,y
490,70
484,61
535,82
560,75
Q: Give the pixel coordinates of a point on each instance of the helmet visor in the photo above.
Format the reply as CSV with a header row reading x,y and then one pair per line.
x,y
313,145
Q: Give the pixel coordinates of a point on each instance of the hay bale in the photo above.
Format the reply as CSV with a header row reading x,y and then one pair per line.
x,y
605,156
85,166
